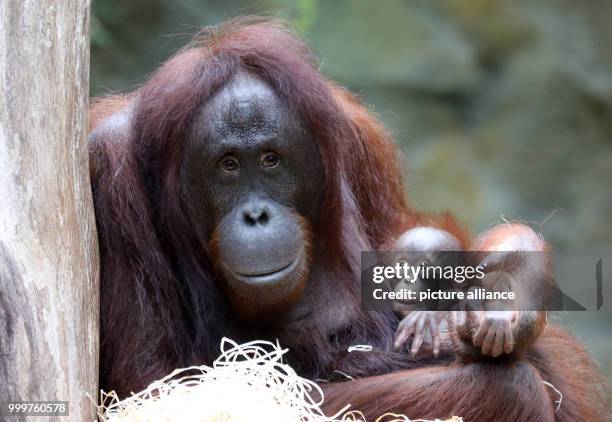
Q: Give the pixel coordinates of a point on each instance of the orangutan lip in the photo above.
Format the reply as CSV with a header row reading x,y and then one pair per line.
x,y
407,302
404,306
266,273
270,277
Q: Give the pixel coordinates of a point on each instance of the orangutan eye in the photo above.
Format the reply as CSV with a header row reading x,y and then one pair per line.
x,y
230,165
269,160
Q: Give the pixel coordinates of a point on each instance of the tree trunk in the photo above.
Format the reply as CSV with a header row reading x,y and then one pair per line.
x,y
48,247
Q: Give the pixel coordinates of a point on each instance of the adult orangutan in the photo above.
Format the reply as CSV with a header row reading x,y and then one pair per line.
x,y
234,192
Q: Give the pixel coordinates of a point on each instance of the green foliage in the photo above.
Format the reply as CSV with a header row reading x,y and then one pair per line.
x,y
306,13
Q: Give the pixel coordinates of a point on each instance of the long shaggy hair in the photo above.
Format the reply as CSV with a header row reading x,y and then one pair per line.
x,y
154,269
161,302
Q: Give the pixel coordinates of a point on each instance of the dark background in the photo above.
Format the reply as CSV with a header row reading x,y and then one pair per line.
x,y
503,108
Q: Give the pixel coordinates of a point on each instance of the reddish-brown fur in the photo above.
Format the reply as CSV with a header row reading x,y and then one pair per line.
x,y
162,302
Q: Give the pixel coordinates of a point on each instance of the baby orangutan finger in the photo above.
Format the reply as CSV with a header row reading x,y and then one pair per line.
x,y
400,339
481,332
418,336
487,343
435,337
498,343
508,339
404,331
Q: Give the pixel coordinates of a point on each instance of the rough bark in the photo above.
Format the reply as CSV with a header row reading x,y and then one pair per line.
x,y
48,247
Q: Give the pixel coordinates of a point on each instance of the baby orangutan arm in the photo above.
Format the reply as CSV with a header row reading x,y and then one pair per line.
x,y
516,259
421,245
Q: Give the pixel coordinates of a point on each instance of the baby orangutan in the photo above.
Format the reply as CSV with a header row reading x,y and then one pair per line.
x,y
423,245
478,327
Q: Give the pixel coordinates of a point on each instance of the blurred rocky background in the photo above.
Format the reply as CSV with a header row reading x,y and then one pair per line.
x,y
503,108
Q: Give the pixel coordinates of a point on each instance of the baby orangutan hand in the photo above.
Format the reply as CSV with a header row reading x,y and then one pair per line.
x,y
417,323
494,334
